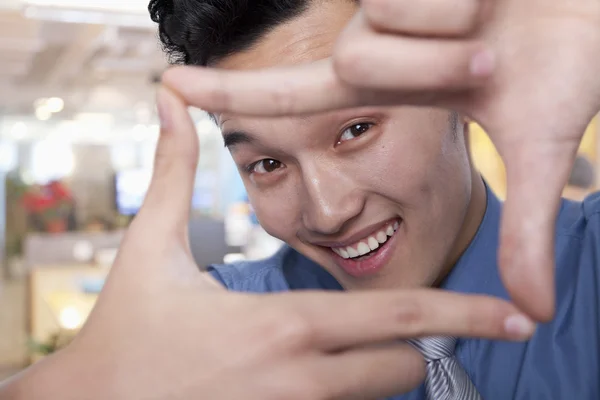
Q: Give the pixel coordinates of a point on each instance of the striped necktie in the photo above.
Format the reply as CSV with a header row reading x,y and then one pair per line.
x,y
446,379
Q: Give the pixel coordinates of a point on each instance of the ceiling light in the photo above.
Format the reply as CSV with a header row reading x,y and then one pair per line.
x,y
43,113
55,104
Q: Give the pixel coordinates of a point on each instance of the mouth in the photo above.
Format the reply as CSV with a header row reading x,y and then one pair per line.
x,y
370,254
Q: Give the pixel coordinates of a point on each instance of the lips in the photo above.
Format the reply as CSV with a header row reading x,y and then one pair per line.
x,y
369,243
370,254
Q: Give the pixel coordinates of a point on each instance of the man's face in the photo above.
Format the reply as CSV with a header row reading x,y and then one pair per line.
x,y
394,183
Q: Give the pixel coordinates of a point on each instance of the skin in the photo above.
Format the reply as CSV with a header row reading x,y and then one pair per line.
x,y
524,70
317,344
330,182
292,345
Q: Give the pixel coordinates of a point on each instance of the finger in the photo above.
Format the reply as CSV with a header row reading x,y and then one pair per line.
x,y
536,175
168,201
157,239
269,92
335,321
297,90
369,373
426,17
400,63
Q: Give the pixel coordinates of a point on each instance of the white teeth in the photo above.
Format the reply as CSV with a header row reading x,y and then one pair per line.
x,y
369,244
373,243
351,252
343,253
363,249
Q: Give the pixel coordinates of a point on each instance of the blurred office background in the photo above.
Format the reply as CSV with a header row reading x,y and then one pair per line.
x,y
78,129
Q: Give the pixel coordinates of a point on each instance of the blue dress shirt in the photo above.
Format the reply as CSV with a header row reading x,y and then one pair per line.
x,y
561,361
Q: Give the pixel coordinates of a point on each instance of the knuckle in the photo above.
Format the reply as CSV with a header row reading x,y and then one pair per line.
x,y
410,317
219,97
349,61
297,331
283,97
290,331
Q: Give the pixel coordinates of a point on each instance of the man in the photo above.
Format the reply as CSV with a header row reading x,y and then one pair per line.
x,y
283,363
162,330
386,197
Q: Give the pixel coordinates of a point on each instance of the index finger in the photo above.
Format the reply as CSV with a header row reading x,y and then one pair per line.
x,y
344,320
302,89
269,92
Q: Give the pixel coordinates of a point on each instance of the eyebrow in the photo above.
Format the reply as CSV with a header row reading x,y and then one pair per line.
x,y
235,138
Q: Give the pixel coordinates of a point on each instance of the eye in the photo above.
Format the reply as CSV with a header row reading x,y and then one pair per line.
x,y
354,131
266,166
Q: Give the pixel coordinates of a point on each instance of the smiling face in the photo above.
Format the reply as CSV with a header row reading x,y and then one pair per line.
x,y
380,197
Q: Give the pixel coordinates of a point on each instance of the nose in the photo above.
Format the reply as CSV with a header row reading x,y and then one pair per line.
x,y
332,199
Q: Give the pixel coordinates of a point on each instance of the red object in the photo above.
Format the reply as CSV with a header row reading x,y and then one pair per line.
x,y
56,226
38,202
59,191
51,204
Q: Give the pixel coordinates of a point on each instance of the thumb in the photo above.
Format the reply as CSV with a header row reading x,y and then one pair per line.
x,y
167,204
536,174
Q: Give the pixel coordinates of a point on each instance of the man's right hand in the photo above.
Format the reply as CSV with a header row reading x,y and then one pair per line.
x,y
163,330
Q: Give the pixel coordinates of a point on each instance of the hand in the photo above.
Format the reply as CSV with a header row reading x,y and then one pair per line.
x,y
524,69
162,329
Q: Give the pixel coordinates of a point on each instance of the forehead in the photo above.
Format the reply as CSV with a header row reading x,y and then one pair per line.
x,y
309,37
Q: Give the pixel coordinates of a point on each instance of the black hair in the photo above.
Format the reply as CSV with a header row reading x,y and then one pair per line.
x,y
201,32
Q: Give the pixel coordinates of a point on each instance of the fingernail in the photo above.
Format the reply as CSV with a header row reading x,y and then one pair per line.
x,y
162,106
519,326
483,63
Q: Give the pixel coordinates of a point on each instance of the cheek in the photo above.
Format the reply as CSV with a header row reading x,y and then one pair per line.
x,y
274,206
419,170
404,168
